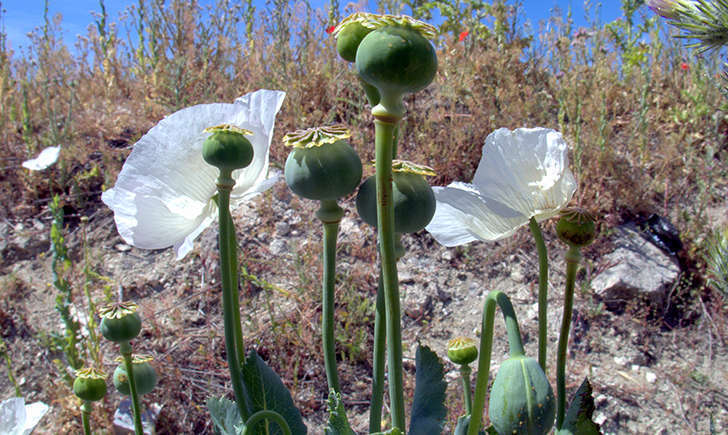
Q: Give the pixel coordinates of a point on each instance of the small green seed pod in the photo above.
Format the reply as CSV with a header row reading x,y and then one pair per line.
x,y
414,201
576,227
322,166
120,322
396,59
145,377
90,384
462,350
227,148
521,400
349,34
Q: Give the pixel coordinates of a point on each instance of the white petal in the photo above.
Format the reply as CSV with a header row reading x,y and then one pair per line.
x,y
45,159
463,215
528,169
163,194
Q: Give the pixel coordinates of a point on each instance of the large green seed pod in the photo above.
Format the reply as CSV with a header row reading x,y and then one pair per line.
x,y
120,322
90,384
322,166
575,227
396,59
521,400
414,201
227,148
145,377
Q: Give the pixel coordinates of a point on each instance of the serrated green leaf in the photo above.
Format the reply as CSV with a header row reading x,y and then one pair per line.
x,y
265,391
224,414
578,420
428,407
338,424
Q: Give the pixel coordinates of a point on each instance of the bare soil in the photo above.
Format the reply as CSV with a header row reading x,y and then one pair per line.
x,y
654,370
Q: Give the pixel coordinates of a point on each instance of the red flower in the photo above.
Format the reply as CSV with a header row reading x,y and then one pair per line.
x,y
330,29
463,34
684,66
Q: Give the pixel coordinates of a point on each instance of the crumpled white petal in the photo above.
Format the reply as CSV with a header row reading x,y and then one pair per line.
x,y
523,174
163,195
19,418
44,160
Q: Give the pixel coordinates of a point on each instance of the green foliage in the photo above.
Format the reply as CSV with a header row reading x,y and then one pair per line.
x,y
338,424
60,265
716,259
578,420
225,415
428,407
265,391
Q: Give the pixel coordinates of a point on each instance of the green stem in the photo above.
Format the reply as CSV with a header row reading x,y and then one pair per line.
x,y
486,345
384,138
573,256
263,415
85,414
330,214
136,406
465,372
230,304
380,340
543,288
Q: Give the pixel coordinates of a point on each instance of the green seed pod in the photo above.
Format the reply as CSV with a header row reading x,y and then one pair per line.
x,y
90,384
349,35
462,350
414,201
145,377
521,400
397,59
227,148
322,166
576,227
120,322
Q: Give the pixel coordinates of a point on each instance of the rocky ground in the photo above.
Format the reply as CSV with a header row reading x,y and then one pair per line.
x,y
654,369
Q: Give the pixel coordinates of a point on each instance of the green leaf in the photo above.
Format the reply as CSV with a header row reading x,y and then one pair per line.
x,y
338,424
578,418
265,391
224,414
428,407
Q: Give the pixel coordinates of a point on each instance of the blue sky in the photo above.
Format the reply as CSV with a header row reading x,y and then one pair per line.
x,y
22,16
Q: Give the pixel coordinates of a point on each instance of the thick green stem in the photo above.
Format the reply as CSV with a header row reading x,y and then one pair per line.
x,y
85,414
573,256
230,304
465,372
265,415
380,340
486,345
330,214
125,348
384,139
543,289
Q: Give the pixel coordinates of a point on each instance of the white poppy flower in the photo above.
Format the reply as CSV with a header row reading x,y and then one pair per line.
x,y
523,173
45,159
163,196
